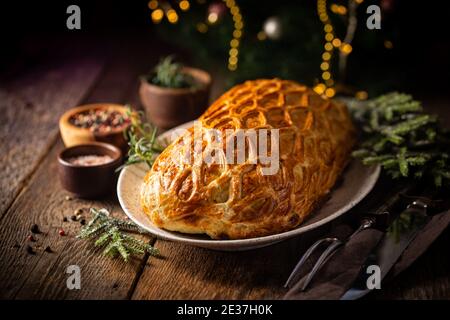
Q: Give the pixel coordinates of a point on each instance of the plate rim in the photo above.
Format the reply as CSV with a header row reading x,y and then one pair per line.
x,y
248,241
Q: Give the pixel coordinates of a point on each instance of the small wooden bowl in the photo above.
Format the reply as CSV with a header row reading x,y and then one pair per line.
x,y
89,181
73,135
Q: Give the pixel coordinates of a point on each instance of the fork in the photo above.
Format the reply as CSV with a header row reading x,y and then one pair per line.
x,y
379,219
333,245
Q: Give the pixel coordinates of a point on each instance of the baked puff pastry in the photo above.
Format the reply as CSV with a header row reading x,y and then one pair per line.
x,y
234,200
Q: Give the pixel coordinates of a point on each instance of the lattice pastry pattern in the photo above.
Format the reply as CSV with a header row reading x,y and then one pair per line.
x,y
235,200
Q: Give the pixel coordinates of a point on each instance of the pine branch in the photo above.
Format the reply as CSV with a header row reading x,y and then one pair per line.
x,y
402,138
109,233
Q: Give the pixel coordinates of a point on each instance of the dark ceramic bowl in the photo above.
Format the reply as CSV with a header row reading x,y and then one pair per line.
x,y
89,181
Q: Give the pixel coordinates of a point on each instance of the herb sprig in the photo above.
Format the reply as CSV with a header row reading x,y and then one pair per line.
x,y
402,138
142,141
110,233
170,74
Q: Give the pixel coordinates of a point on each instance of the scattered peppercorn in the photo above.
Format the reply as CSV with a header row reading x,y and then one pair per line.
x,y
65,219
48,249
35,228
78,211
68,198
62,232
30,250
83,222
31,238
73,217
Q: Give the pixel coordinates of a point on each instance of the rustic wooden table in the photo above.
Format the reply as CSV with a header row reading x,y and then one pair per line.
x,y
30,193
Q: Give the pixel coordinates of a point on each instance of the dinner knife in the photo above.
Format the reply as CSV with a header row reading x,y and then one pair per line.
x,y
402,232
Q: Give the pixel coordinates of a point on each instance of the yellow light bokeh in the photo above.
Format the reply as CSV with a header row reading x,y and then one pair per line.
x,y
338,9
330,92
336,42
326,75
328,28
212,17
233,60
346,48
184,5
261,36
232,67
202,27
238,25
233,52
157,15
320,88
234,43
329,36
326,56
153,4
172,16
388,44
328,46
237,34
361,95
230,3
324,66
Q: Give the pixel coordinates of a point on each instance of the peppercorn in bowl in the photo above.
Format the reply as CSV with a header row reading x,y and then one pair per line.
x,y
101,122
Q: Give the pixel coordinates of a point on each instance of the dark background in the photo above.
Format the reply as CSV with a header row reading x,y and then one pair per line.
x,y
419,62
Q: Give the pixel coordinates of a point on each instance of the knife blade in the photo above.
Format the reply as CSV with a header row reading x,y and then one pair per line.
x,y
403,230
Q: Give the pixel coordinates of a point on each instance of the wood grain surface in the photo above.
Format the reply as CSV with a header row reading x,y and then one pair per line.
x,y
30,108
30,193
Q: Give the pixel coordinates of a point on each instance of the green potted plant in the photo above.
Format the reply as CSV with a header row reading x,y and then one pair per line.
x,y
173,94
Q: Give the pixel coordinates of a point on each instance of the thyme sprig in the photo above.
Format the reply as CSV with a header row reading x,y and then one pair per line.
x,y
402,138
109,233
142,142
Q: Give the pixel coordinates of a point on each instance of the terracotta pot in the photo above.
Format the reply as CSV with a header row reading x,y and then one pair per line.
x,y
169,107
73,135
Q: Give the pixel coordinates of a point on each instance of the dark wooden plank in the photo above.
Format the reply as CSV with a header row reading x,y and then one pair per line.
x,y
196,273
30,107
43,275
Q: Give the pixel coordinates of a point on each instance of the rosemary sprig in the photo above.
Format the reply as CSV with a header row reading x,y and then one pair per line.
x,y
402,138
141,138
109,233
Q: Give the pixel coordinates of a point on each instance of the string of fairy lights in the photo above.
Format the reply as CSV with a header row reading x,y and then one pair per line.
x,y
326,85
161,9
170,9
237,33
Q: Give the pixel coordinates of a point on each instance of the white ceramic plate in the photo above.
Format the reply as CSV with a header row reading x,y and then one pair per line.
x,y
357,181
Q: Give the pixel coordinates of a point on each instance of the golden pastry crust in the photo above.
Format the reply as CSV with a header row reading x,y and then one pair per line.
x,y
233,201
